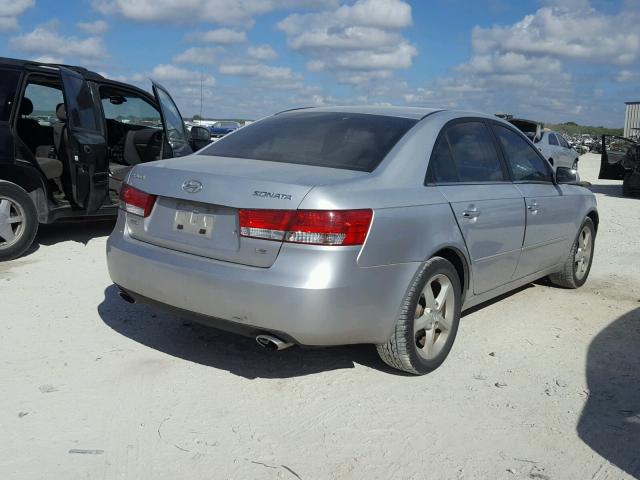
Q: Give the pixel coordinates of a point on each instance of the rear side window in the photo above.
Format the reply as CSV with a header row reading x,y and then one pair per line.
x,y
324,139
563,142
552,139
466,153
526,164
443,169
8,87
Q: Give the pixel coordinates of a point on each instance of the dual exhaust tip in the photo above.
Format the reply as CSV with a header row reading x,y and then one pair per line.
x,y
270,342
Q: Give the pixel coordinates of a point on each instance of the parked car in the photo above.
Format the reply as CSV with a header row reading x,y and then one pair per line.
x,y
73,167
222,128
330,226
557,151
620,160
553,145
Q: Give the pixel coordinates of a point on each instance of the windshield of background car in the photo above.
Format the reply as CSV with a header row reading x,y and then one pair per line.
x,y
348,141
227,125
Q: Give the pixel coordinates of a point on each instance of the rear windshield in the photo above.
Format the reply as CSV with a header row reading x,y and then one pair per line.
x,y
337,140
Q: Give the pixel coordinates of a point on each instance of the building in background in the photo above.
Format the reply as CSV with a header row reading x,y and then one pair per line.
x,y
632,120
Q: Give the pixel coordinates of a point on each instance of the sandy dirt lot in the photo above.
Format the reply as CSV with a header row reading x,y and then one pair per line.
x,y
542,384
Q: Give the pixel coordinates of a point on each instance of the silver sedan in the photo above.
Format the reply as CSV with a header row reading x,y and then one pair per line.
x,y
332,226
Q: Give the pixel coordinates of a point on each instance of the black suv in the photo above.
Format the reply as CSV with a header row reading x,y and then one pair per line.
x,y
68,137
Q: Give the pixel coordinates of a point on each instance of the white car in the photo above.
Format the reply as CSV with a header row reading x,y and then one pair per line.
x,y
552,144
557,150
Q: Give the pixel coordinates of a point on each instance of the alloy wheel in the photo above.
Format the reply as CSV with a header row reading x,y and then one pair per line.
x,y
582,258
434,316
12,222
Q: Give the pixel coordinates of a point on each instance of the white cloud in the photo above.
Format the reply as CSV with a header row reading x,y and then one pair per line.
x,y
99,27
234,12
363,37
624,76
45,40
171,73
10,10
223,36
262,52
197,56
48,59
259,70
583,34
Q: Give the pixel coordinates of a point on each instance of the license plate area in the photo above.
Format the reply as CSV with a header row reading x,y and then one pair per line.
x,y
193,219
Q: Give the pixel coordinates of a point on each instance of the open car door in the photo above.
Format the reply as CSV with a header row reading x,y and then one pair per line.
x,y
177,138
616,157
87,145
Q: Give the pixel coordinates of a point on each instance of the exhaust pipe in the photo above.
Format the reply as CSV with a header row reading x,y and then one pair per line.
x,y
272,343
126,297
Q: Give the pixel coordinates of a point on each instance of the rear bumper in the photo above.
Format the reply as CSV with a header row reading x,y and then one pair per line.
x,y
310,295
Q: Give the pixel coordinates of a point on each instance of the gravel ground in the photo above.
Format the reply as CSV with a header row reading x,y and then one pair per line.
x,y
542,384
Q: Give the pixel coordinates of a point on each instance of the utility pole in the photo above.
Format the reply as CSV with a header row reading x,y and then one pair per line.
x,y
201,92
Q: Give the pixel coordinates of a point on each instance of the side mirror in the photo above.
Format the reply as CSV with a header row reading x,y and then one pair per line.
x,y
200,134
566,175
200,137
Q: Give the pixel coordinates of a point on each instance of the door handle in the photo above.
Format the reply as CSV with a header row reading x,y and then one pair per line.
x,y
533,208
471,214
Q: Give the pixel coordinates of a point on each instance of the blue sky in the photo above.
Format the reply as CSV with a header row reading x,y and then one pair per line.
x,y
553,61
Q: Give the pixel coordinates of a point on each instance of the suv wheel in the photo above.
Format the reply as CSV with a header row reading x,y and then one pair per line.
x,y
18,221
428,322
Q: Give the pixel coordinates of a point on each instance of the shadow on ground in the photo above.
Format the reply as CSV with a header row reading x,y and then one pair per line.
x,y
610,420
214,348
610,190
80,232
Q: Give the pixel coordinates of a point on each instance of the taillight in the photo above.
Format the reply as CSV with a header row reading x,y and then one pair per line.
x,y
315,227
136,201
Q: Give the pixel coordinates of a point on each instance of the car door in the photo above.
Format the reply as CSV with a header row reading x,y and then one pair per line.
x,y
568,155
550,214
466,167
87,144
612,157
554,150
177,137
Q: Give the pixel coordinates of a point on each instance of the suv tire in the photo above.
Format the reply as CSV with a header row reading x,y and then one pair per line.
x,y
18,221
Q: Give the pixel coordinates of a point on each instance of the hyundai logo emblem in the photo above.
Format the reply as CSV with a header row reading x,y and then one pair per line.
x,y
192,186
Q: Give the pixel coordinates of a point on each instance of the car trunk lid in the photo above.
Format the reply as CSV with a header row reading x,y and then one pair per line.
x,y
198,198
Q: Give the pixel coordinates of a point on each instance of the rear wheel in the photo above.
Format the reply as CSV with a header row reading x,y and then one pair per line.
x,y
577,266
18,221
428,322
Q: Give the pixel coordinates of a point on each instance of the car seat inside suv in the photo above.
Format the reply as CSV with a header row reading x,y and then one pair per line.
x,y
37,139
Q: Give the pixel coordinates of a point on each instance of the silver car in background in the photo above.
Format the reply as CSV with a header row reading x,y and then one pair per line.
x,y
557,150
331,226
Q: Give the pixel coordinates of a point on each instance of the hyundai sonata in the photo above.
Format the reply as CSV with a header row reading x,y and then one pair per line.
x,y
330,226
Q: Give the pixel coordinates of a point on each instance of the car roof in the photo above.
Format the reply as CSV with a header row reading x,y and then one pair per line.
x,y
415,113
15,62
87,74
406,112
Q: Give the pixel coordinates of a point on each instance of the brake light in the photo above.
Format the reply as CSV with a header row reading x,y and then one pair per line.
x,y
314,227
136,201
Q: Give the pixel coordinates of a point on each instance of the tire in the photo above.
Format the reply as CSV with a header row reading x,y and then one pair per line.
x,y
15,203
575,273
629,189
407,349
